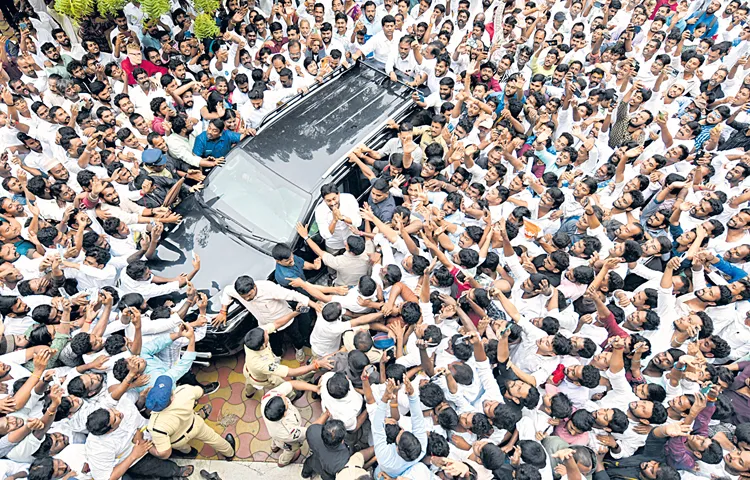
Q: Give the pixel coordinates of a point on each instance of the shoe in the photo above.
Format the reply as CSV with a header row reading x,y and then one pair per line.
x,y
210,388
315,396
300,355
297,395
294,459
275,449
191,454
209,476
230,439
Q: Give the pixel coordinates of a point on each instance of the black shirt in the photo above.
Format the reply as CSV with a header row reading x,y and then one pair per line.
x,y
326,462
738,138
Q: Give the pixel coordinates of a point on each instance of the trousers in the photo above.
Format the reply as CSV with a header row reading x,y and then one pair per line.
x,y
153,467
207,435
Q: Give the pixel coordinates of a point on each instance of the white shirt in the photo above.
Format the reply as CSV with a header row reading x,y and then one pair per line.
x,y
91,277
106,451
146,287
348,207
345,409
269,303
326,336
380,46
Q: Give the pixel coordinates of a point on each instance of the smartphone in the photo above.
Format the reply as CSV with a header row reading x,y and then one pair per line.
x,y
188,34
707,388
451,127
421,96
303,309
552,43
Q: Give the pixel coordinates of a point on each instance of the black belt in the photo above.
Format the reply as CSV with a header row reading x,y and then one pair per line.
x,y
181,436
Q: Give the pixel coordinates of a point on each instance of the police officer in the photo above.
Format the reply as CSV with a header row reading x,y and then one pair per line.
x,y
174,423
283,420
262,368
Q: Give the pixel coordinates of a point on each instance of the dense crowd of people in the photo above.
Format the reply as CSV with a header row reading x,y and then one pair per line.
x,y
548,280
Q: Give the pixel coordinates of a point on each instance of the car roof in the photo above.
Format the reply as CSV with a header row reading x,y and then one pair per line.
x,y
306,139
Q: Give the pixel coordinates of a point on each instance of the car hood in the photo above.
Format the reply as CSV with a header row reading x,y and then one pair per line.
x,y
224,256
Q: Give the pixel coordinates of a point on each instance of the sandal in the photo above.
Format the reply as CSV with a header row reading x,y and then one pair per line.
x,y
205,411
186,471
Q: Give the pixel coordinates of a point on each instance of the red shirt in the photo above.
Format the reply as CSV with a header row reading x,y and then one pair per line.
x,y
150,68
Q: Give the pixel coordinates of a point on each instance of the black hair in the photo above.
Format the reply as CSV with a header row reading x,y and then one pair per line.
x,y
333,433
583,420
97,422
560,406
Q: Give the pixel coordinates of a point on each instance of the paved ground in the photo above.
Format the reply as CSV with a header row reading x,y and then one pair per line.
x,y
238,470
234,414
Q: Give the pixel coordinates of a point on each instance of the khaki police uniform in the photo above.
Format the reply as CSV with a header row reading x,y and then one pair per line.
x,y
178,424
262,368
353,469
287,433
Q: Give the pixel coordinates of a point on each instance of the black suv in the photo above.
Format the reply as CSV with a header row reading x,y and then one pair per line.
x,y
272,181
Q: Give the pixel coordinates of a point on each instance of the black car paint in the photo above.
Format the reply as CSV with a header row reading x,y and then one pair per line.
x,y
224,254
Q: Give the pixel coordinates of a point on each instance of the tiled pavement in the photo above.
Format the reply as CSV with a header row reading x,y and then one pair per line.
x,y
233,413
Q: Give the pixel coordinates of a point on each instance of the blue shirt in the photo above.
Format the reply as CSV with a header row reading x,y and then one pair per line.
x,y
215,148
389,461
733,272
155,366
294,271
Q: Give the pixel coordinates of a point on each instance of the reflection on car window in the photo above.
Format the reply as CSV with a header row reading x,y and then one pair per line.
x,y
269,205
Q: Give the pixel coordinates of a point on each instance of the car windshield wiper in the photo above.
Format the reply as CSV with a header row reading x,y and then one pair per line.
x,y
247,234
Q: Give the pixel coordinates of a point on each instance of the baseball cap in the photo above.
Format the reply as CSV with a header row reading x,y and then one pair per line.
x,y
486,123
153,156
160,395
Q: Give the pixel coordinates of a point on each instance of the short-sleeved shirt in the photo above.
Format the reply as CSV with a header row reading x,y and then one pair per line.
x,y
204,147
294,271
288,429
170,425
262,368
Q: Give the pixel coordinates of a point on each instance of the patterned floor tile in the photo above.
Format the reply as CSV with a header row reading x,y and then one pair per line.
x,y
233,413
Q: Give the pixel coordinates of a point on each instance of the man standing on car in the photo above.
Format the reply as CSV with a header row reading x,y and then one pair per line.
x,y
335,215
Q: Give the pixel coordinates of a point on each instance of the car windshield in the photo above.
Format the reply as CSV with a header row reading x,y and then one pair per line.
x,y
256,197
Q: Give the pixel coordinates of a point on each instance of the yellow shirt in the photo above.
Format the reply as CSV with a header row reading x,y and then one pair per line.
x,y
173,422
288,429
427,138
262,366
